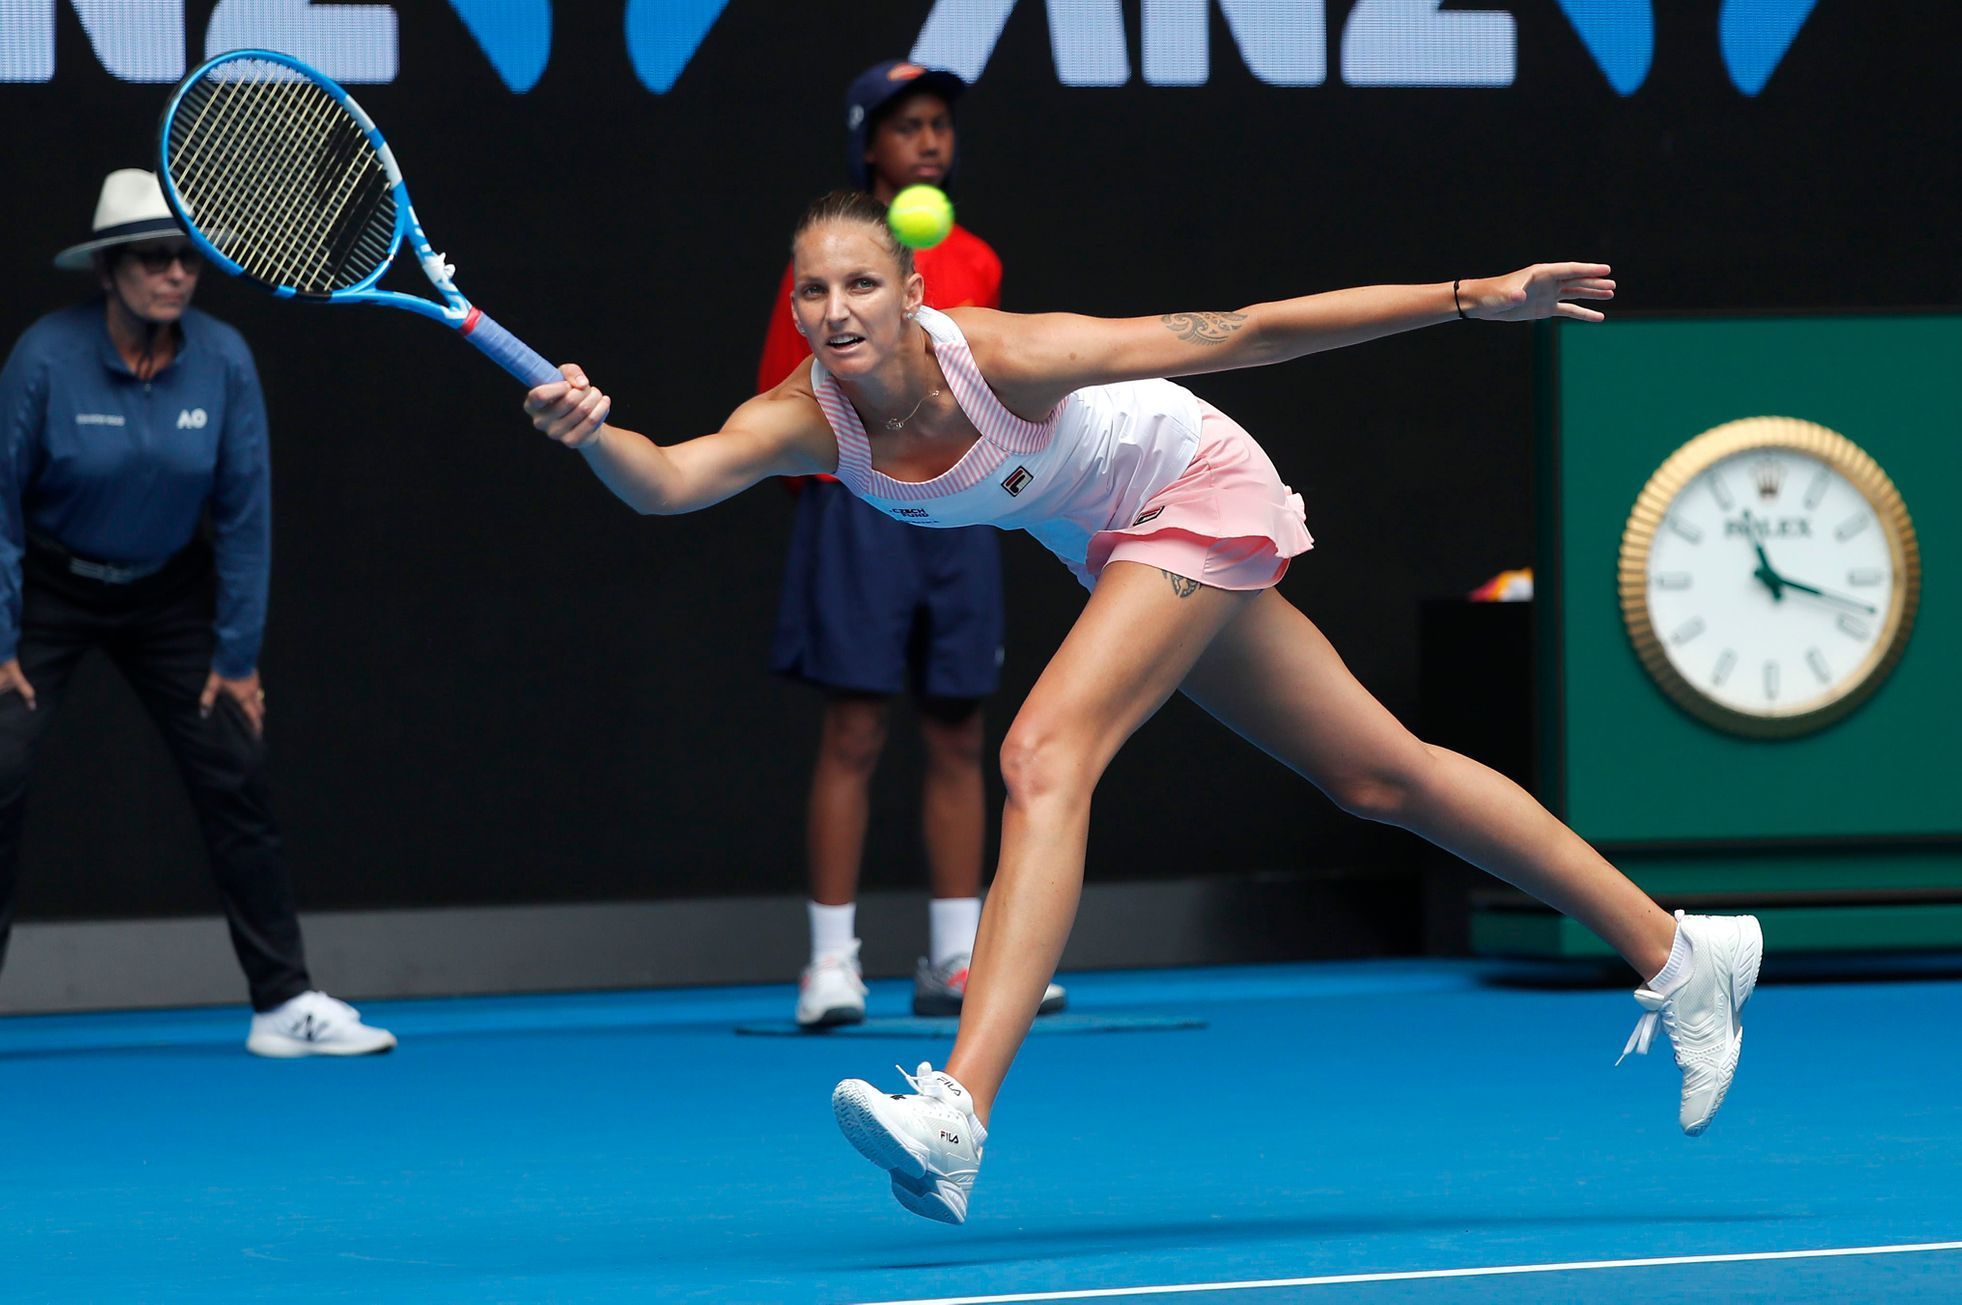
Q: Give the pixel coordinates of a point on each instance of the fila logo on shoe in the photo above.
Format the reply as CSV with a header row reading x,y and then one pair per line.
x,y
192,419
952,1139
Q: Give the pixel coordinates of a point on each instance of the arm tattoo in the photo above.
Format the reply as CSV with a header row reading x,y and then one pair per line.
x,y
1203,328
1181,586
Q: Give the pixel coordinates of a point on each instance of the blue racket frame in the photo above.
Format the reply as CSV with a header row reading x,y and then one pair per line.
x,y
455,311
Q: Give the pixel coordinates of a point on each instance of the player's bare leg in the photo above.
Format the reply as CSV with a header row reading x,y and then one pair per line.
x,y
1275,680
1137,637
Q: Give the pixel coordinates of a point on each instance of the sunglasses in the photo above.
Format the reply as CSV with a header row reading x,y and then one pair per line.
x,y
158,260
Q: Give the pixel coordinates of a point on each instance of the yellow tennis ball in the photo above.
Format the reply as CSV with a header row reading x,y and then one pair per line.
x,y
921,216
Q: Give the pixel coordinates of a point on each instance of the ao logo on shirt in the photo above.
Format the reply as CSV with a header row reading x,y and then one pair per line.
x,y
192,419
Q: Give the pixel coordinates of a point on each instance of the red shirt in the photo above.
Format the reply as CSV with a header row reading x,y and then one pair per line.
x,y
961,272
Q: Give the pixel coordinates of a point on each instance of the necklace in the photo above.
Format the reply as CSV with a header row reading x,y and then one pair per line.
x,y
894,423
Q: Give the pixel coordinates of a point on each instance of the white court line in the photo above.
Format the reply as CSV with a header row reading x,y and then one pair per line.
x,y
1493,1271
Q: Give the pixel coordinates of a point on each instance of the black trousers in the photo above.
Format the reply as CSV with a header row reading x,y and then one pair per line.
x,y
157,631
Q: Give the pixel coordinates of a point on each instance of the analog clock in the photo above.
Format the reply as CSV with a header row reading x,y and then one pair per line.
x,y
1769,576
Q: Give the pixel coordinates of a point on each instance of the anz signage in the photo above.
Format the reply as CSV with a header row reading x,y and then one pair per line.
x,y
1282,42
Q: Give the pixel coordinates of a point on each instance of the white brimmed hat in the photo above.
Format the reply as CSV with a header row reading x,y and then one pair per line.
x,y
131,208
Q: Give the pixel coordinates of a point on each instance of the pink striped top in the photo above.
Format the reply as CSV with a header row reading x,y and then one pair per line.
x,y
1089,463
1003,434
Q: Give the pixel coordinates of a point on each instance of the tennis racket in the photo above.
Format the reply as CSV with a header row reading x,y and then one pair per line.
x,y
282,181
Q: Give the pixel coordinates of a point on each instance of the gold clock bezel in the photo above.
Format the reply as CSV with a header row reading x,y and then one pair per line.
x,y
1787,434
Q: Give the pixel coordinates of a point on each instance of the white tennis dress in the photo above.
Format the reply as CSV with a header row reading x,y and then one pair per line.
x,y
1097,465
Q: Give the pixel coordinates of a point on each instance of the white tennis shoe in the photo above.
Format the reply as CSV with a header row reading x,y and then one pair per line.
x,y
831,990
1703,1014
314,1024
929,1140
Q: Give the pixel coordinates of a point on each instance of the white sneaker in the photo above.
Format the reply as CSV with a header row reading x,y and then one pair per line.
x,y
831,990
314,1024
929,1141
940,989
1703,1014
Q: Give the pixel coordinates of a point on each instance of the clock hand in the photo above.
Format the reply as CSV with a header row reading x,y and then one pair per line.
x,y
1770,578
1829,596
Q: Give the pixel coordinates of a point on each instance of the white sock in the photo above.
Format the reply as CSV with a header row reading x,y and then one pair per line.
x,y
1677,969
832,928
951,925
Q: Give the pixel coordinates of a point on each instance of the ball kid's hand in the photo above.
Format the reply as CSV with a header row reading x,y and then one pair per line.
x,y
571,411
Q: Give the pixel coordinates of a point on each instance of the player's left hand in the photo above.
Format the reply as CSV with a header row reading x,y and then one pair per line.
x,y
1538,291
245,691
571,410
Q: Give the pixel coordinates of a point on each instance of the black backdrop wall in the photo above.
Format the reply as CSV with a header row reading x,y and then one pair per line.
x,y
491,683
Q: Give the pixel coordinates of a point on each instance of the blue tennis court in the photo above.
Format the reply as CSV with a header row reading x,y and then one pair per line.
x,y
1376,1131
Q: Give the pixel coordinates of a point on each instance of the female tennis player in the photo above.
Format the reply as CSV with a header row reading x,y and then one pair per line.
x,y
1177,522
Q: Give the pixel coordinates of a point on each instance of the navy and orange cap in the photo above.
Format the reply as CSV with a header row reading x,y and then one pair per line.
x,y
876,87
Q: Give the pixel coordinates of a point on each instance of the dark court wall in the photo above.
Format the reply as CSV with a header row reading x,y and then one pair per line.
x,y
489,682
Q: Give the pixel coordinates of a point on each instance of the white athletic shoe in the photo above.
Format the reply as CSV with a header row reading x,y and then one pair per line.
x,y
940,989
928,1140
1703,1015
831,991
314,1024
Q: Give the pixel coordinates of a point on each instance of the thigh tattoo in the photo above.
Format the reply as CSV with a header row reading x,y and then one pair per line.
x,y
1181,586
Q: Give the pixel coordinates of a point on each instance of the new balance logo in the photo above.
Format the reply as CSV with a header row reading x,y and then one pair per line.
x,y
1018,480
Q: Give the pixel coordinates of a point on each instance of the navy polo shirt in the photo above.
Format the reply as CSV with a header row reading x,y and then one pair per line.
x,y
120,470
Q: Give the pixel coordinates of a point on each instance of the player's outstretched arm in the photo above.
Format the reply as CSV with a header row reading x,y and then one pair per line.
x,y
779,433
1054,353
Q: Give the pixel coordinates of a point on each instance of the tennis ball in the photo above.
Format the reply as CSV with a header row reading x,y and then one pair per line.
x,y
921,216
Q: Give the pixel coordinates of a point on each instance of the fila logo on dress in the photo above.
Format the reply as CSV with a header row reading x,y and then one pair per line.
x,y
192,419
1018,480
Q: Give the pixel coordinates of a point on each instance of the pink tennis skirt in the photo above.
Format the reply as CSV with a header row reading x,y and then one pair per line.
x,y
1227,522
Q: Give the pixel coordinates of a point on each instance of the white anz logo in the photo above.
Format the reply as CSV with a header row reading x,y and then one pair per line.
x,y
1284,42
144,40
190,419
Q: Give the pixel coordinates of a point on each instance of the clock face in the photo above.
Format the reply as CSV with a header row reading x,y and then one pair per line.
x,y
1769,576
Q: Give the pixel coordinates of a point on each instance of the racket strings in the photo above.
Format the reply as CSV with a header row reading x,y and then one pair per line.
x,y
264,241
304,174
204,151
236,170
280,177
318,158
306,214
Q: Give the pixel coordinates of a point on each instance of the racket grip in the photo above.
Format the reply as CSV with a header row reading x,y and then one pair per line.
x,y
507,350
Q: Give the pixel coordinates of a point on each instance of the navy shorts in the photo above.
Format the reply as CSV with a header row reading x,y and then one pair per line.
x,y
871,605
